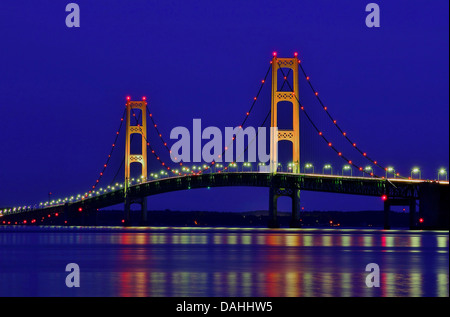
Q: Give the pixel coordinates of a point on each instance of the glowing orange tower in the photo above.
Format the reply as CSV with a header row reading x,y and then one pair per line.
x,y
291,135
141,158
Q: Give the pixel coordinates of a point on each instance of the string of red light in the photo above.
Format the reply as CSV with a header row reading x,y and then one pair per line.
x,y
158,158
149,147
159,133
316,128
247,114
261,125
155,125
246,117
109,155
123,160
350,162
342,132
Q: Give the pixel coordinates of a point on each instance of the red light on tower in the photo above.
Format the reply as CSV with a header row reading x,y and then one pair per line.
x,y
274,54
421,220
80,209
384,197
295,54
144,98
128,98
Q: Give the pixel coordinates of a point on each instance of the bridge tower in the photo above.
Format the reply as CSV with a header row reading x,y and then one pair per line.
x,y
291,135
141,158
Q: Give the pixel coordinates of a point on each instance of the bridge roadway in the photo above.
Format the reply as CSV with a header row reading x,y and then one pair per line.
x,y
394,189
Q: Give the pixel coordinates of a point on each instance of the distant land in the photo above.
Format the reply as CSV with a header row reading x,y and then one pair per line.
x,y
312,219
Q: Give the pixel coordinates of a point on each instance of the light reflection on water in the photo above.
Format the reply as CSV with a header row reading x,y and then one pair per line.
x,y
222,262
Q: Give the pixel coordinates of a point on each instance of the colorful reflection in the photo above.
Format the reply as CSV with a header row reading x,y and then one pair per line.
x,y
224,262
277,263
273,284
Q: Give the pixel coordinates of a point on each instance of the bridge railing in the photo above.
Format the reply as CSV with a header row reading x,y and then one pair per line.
x,y
241,167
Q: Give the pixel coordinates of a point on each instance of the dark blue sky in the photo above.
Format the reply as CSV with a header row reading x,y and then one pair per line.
x,y
63,89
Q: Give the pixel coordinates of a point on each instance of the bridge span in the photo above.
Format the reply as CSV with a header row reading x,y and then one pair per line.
x,y
431,196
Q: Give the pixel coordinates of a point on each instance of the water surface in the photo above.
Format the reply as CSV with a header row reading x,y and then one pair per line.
x,y
222,262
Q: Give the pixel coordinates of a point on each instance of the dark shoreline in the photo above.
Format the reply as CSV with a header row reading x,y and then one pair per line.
x,y
310,219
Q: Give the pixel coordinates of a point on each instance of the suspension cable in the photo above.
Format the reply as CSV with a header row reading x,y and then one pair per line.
x,y
321,134
109,155
342,132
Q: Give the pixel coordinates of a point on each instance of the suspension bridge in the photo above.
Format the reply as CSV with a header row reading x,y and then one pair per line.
x,y
281,178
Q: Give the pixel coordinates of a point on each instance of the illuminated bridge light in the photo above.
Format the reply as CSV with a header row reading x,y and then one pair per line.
x,y
214,167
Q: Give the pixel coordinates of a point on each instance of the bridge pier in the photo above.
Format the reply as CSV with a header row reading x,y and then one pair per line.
x,y
143,211
412,214
387,211
274,193
90,217
295,219
273,220
126,211
410,202
65,216
434,205
142,201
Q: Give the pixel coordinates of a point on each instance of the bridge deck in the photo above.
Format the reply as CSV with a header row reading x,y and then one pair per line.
x,y
393,188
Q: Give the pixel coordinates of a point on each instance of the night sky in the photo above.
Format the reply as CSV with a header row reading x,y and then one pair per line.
x,y
63,89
